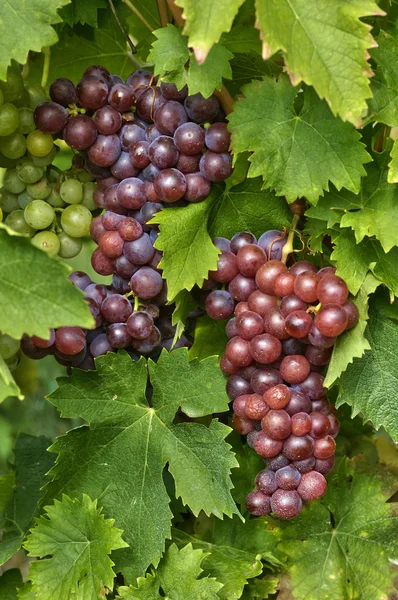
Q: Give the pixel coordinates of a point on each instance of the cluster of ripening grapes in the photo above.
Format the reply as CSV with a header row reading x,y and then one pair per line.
x,y
140,327
281,335
53,208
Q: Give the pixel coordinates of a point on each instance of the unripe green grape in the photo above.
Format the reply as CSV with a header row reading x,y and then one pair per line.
x,y
37,95
47,241
28,172
12,182
71,191
44,161
40,189
24,199
39,143
88,198
14,145
8,201
13,87
14,361
70,246
9,119
75,220
26,120
38,214
8,346
22,101
16,221
55,197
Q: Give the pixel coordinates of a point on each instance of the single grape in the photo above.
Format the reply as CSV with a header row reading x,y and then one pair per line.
x,y
92,92
295,368
274,323
218,137
261,303
139,325
170,185
130,134
198,188
102,264
320,425
9,119
71,191
148,103
312,386
287,478
69,246
16,221
215,167
80,132
40,190
121,97
255,407
100,345
291,304
105,150
352,314
277,397
219,305
163,153
318,356
139,154
299,402
258,503
117,335
139,251
188,163
169,116
80,279
272,243
170,92
13,146
63,91
277,424
312,486
267,274
76,220
242,287
39,143
298,324
12,182
8,201
38,214
265,348
332,290
98,72
43,343
189,138
324,447
149,344
324,465
146,283
305,286
249,259
28,172
298,447
237,386
70,340
116,309
107,120
88,195
26,120
47,241
286,504
238,352
302,266
266,446
249,324
263,379
304,466
331,320
131,193
200,109
50,117
301,423
265,482
111,244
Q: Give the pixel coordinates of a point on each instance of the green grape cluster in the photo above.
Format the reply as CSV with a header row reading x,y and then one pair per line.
x,y
52,207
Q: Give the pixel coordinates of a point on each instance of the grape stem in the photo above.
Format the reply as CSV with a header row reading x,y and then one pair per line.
x,y
136,303
223,96
288,247
46,66
163,13
139,15
122,29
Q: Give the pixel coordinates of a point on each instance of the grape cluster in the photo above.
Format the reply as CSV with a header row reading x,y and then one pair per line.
x,y
135,325
285,323
53,208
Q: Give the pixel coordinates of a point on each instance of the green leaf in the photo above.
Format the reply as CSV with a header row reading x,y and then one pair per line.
x,y
26,592
170,51
243,36
341,547
250,464
298,154
393,164
174,62
353,343
325,45
260,589
369,384
177,577
246,207
79,540
184,304
188,252
82,12
383,106
210,338
79,47
32,461
121,456
371,212
204,78
248,66
35,293
236,550
7,482
206,21
9,582
8,386
26,26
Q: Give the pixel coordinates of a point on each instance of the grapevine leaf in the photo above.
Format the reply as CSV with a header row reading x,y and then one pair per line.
x,y
8,386
26,592
9,582
296,153
369,384
383,106
248,66
170,51
27,26
35,293
236,550
125,430
174,62
260,589
188,252
393,164
210,338
344,543
243,37
82,12
246,207
177,577
204,78
184,304
371,212
7,482
325,45
353,343
79,540
75,52
32,461
206,21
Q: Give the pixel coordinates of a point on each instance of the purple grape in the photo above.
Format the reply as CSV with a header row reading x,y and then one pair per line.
x,y
107,120
270,240
105,150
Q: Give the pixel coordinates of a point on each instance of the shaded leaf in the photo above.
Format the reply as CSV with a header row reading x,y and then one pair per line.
x,y
210,338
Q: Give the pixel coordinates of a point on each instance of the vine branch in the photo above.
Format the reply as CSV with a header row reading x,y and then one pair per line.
x,y
163,12
121,26
46,66
288,247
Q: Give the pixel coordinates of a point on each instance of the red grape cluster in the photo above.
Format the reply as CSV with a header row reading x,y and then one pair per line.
x,y
140,329
285,323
